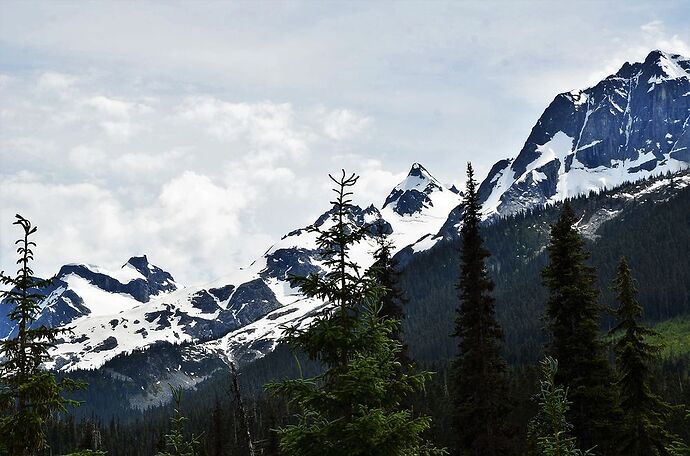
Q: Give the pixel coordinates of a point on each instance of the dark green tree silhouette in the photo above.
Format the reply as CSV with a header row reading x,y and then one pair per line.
x,y
572,316
479,379
646,415
29,395
354,407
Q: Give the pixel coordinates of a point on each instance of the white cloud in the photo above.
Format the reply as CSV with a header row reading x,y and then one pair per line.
x,y
342,124
55,81
201,184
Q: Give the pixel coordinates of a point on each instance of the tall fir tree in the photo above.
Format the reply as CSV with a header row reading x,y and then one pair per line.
x,y
646,415
354,407
480,383
29,395
572,316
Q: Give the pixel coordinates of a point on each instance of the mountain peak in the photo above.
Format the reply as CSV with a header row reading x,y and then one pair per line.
x,y
413,193
417,170
629,126
140,263
419,179
662,66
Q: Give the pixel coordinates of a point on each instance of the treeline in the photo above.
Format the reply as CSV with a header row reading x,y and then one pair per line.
x,y
356,389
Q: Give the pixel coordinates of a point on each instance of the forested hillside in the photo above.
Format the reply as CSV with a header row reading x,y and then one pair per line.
x,y
651,231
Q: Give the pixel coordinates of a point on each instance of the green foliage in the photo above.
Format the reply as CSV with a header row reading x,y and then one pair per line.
x,y
550,430
573,318
354,406
479,382
646,415
673,337
29,395
176,444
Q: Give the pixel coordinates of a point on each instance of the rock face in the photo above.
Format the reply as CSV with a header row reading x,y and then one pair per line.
x,y
631,125
413,194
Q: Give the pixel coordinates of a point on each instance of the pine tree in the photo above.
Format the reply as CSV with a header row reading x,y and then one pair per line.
x,y
352,408
646,415
176,443
480,383
550,430
29,395
572,316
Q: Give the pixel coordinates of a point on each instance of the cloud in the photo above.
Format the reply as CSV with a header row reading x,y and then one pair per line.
x,y
342,124
201,184
55,81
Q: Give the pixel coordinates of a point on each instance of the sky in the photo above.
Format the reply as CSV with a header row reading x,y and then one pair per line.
x,y
199,132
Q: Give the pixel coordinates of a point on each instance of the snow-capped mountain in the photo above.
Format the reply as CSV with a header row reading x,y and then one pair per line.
x,y
80,290
114,312
633,124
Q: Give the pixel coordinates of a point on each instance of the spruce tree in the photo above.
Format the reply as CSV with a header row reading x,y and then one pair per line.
x,y
646,415
550,430
29,395
176,443
572,316
354,407
480,383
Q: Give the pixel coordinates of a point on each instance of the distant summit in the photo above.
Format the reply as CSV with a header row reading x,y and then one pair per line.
x,y
631,125
413,194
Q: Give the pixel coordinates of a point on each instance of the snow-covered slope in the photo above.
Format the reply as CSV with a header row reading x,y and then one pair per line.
x,y
632,125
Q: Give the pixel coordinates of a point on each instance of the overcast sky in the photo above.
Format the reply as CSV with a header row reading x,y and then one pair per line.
x,y
199,132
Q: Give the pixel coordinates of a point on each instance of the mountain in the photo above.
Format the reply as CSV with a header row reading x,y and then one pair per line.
x,y
633,124
80,290
138,306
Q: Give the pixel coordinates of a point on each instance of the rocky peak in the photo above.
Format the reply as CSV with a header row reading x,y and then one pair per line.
x,y
413,193
141,264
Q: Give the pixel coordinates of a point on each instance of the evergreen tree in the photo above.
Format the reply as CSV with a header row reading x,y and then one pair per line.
x,y
29,395
480,384
572,316
646,415
353,407
218,433
176,444
550,430
393,301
